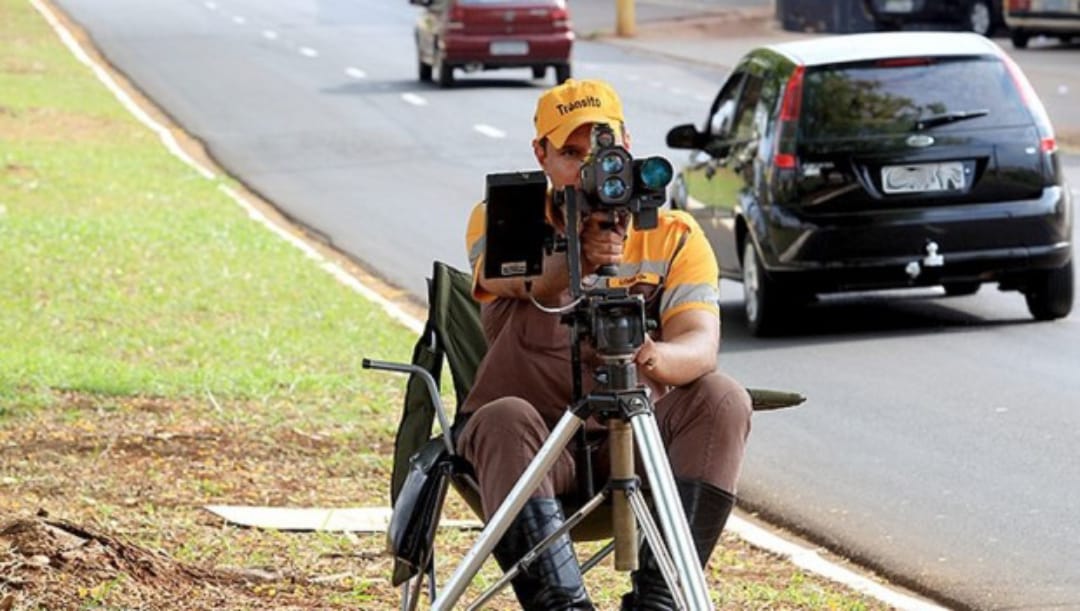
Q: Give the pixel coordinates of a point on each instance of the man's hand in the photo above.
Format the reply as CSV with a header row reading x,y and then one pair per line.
x,y
602,238
687,350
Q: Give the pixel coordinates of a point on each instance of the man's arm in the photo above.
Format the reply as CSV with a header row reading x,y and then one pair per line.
x,y
600,245
546,287
691,339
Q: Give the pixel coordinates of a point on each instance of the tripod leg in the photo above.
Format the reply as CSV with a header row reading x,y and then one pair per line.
x,y
658,548
496,527
670,512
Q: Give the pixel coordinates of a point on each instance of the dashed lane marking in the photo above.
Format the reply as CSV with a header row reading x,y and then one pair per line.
x,y
489,131
414,99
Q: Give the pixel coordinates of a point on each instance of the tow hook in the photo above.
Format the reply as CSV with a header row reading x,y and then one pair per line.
x,y
932,259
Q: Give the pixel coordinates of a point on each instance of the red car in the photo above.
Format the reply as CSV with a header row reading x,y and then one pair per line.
x,y
478,35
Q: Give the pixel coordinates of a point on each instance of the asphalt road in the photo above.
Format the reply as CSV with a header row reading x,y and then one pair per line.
x,y
939,441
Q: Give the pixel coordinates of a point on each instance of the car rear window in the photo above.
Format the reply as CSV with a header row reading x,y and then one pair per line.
x,y
891,96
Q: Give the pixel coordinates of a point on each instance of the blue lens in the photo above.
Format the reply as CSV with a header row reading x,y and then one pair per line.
x,y
656,172
611,164
613,188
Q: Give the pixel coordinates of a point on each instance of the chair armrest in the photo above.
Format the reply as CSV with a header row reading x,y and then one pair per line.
x,y
765,399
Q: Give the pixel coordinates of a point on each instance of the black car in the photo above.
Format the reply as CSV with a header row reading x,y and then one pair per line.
x,y
877,161
979,16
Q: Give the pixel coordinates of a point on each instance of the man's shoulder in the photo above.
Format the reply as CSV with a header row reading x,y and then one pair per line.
x,y
677,220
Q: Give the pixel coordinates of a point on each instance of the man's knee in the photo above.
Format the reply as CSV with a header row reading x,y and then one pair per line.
x,y
724,402
505,421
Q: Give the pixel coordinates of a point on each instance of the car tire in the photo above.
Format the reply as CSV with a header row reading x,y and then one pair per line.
x,y
1019,39
423,71
443,73
562,73
960,289
1049,293
980,17
539,71
763,299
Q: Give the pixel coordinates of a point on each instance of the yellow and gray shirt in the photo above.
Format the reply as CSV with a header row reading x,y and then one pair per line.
x,y
674,258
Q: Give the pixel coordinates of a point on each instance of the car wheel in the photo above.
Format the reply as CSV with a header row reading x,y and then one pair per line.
x,y
443,73
1019,38
763,300
424,71
980,17
538,71
562,73
959,289
1049,293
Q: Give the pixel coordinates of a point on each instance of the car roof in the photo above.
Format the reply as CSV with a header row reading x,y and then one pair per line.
x,y
884,45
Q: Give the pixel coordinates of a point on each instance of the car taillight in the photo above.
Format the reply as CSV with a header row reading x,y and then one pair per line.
x,y
1019,5
790,107
1030,99
455,19
1048,145
560,17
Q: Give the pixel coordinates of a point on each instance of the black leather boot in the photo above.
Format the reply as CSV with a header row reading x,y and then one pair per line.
x,y
707,510
553,581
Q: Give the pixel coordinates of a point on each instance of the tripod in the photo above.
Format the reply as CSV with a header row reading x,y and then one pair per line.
x,y
615,322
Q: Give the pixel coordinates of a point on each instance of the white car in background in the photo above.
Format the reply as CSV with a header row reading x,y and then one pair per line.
x,y
1028,18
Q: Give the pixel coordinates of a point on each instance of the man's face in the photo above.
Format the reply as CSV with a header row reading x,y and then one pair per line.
x,y
563,165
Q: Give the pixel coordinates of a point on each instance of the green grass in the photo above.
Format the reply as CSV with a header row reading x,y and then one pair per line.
x,y
127,273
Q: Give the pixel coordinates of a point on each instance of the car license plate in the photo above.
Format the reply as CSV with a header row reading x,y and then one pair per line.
x,y
510,47
923,177
899,6
1055,5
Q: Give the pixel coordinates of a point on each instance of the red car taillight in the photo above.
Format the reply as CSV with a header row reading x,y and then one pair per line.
x,y
1019,5
455,18
1031,100
560,18
790,107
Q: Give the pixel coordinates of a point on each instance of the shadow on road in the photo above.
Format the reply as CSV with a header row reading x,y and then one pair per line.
x,y
861,316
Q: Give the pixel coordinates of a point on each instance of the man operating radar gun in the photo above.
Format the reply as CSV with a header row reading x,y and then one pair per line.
x,y
601,314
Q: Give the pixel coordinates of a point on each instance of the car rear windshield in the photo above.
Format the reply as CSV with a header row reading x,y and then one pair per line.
x,y
905,95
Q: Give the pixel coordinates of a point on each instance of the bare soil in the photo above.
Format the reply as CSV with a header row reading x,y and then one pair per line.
x,y
101,507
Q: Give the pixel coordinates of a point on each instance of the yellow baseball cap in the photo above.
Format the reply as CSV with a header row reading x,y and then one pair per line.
x,y
563,108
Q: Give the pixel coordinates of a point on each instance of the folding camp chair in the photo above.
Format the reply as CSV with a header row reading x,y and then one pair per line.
x,y
424,466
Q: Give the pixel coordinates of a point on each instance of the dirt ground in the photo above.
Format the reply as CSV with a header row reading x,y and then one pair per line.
x,y
101,507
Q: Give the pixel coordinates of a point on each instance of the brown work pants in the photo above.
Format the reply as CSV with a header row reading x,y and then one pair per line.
x,y
704,426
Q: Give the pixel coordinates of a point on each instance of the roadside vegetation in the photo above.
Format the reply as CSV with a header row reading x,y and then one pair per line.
x,y
161,351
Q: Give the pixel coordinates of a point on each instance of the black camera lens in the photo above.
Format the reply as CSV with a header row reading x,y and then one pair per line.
x,y
613,188
656,172
606,139
611,163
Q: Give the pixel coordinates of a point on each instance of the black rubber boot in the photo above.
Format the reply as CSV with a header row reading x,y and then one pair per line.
x,y
553,581
707,510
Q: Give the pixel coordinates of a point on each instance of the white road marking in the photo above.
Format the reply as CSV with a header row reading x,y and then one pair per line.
x,y
308,52
239,20
269,34
355,72
676,91
489,131
414,99
210,5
